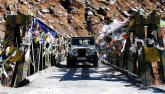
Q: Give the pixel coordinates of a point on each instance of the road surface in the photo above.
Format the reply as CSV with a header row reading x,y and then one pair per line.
x,y
102,80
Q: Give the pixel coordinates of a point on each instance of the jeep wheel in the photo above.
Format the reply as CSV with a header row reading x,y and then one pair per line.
x,y
70,63
95,62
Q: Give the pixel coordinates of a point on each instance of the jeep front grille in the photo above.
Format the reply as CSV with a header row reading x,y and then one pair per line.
x,y
81,52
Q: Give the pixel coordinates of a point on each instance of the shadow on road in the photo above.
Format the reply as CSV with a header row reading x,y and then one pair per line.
x,y
74,74
69,75
156,90
77,66
60,65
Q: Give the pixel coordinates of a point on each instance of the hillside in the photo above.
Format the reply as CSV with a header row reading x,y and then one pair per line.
x,y
78,17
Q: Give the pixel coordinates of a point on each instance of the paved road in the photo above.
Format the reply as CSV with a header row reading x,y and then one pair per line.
x,y
84,80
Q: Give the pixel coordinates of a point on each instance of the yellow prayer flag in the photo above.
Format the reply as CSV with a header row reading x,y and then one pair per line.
x,y
0,51
17,58
151,54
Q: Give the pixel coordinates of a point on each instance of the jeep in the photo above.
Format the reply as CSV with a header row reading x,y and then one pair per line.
x,y
82,49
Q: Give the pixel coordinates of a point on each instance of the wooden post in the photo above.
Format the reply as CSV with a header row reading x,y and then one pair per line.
x,y
142,65
125,59
154,23
14,75
162,55
129,56
162,65
19,75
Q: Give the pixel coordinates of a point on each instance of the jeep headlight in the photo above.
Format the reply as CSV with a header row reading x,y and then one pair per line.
x,y
93,50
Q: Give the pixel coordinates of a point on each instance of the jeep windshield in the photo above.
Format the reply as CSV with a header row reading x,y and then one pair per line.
x,y
83,41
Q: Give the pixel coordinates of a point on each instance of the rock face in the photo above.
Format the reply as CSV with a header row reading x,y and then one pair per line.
x,y
78,17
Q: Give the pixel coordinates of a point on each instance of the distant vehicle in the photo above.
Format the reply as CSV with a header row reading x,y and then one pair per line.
x,y
82,49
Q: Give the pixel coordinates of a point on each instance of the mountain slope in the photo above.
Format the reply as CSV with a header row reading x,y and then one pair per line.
x,y
78,17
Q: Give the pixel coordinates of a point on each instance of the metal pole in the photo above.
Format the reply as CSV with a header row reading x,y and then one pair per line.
x,y
42,58
33,57
39,58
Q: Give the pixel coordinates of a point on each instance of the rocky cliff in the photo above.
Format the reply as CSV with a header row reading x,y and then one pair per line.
x,y
78,17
